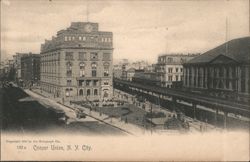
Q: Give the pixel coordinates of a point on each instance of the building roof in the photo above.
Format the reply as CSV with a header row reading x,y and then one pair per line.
x,y
179,55
131,70
236,49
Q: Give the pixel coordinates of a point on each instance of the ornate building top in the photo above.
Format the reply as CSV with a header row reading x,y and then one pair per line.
x,y
79,35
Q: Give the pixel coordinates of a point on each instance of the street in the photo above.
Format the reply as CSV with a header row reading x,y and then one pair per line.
x,y
23,114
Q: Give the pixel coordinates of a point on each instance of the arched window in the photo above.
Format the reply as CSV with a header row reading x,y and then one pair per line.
x,y
95,92
81,92
105,94
106,69
88,92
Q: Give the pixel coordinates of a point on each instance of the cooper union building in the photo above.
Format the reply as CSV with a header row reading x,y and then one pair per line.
x,y
76,64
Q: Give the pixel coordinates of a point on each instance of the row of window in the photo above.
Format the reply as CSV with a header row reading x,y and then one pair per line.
x,y
84,38
170,70
83,83
177,78
53,56
68,92
84,56
82,69
171,60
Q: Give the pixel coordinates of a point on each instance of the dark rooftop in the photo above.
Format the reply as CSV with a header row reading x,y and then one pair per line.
x,y
236,49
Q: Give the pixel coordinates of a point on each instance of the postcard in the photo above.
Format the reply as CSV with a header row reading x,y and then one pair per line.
x,y
142,80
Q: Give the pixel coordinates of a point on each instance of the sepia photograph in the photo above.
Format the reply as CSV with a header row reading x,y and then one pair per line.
x,y
125,80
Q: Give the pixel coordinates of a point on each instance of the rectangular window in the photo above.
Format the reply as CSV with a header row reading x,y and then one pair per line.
x,y
82,73
176,77
69,56
106,71
82,56
176,70
81,83
93,73
170,70
95,82
170,59
88,83
181,69
170,78
106,56
69,73
68,82
94,55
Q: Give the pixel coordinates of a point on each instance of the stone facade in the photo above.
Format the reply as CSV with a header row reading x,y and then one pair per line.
x,y
169,68
222,71
77,64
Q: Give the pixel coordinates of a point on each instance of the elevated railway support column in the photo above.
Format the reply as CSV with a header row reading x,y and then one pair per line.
x,y
225,120
174,104
194,110
216,116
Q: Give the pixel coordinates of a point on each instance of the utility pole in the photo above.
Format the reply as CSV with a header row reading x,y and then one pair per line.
x,y
226,35
87,11
151,110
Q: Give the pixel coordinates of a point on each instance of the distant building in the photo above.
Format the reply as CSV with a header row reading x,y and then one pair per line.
x,y
17,64
222,71
130,74
77,64
169,68
7,70
117,71
128,68
30,69
139,65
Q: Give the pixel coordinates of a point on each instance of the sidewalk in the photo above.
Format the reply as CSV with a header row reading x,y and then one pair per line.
x,y
70,111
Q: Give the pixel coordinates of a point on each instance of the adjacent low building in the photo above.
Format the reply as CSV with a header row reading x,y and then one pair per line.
x,y
222,71
169,68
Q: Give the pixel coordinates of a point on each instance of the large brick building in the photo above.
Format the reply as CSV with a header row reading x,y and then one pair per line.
x,y
17,64
222,71
77,63
30,69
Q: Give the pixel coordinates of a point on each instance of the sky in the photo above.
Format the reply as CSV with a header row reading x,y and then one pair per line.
x,y
142,30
